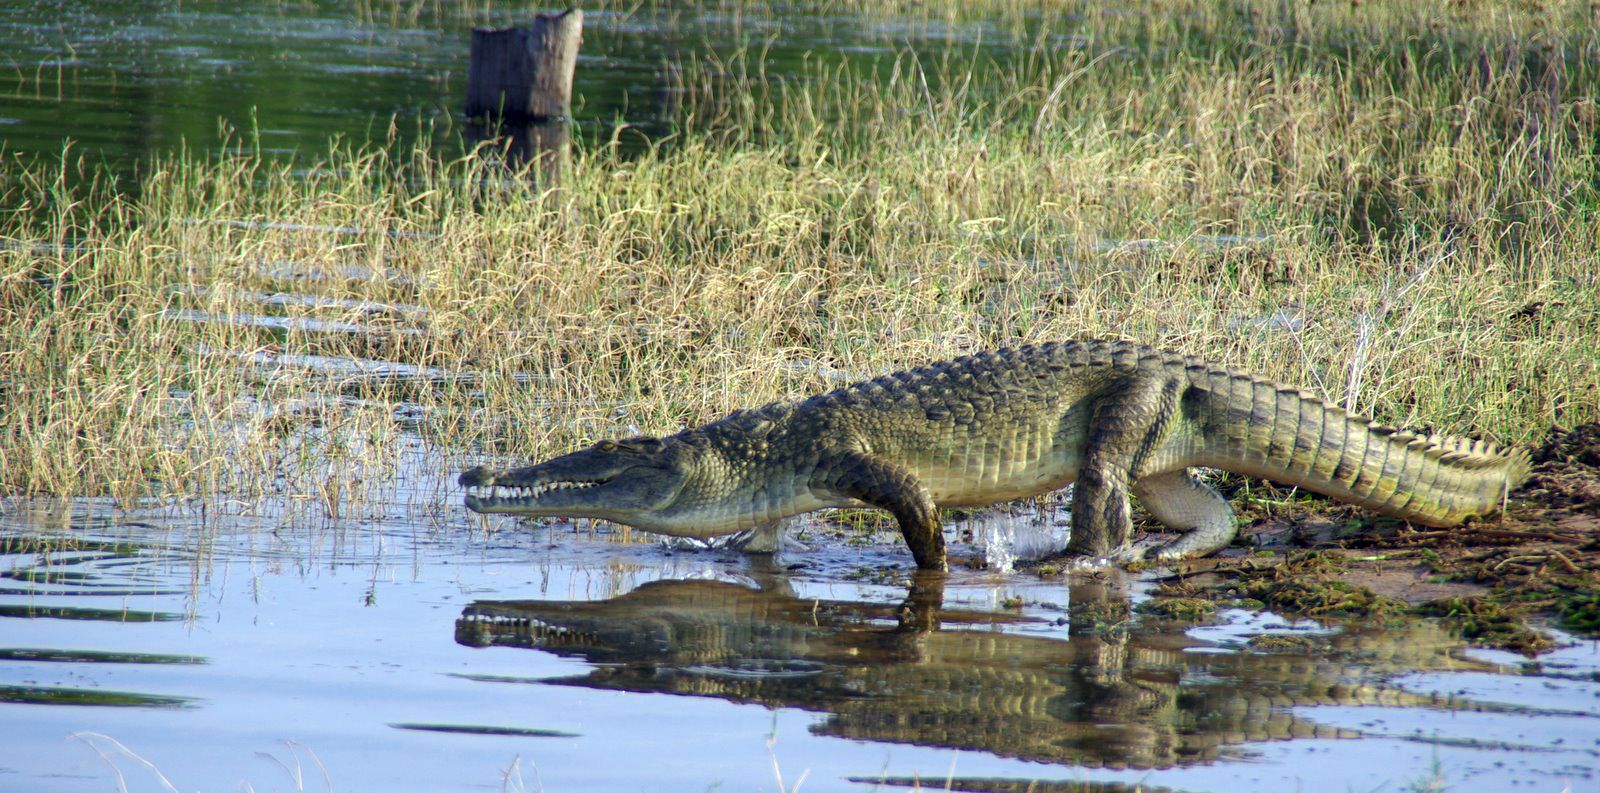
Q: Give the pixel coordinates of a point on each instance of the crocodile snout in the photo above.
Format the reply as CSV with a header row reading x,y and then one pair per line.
x,y
476,476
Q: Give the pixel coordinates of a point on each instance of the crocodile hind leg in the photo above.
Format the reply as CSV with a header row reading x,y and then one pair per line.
x,y
765,538
1184,503
1128,422
1100,518
888,487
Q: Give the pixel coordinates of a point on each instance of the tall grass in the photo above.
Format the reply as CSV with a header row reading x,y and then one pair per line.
x,y
1392,206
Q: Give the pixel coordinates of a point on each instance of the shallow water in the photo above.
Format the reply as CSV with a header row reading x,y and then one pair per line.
x,y
410,649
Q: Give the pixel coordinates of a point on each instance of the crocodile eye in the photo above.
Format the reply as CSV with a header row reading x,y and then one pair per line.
x,y
607,446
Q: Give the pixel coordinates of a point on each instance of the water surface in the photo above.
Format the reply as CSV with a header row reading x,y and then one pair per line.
x,y
121,81
410,649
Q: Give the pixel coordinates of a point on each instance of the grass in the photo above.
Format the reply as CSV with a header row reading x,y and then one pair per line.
x,y
1395,207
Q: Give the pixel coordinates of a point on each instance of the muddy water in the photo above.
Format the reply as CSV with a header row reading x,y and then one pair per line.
x,y
267,646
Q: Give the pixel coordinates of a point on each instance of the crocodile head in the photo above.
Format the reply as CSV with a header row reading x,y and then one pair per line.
x,y
637,481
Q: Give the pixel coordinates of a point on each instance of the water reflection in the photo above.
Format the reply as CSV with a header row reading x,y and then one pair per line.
x,y
35,611
542,148
37,569
921,673
51,695
273,626
95,657
987,785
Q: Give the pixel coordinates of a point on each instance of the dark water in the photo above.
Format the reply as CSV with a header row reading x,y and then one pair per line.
x,y
124,80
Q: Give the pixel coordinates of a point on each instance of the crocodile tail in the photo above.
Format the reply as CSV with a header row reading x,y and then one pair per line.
x,y
1259,428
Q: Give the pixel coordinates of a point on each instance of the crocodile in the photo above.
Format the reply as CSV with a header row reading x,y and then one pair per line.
x,y
1112,418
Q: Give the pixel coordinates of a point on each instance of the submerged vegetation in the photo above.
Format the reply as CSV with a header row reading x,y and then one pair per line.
x,y
1392,204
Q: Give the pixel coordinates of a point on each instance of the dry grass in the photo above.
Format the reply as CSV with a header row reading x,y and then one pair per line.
x,y
1394,208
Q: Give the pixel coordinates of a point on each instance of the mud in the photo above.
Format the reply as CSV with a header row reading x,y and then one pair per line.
x,y
1498,582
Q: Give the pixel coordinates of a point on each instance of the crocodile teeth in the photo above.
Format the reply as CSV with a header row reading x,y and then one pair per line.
x,y
533,627
522,492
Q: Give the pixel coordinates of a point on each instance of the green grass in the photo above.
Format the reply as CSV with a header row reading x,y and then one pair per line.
x,y
1393,206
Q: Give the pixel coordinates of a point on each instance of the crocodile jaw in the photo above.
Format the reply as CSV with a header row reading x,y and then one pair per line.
x,y
536,498
633,481
486,627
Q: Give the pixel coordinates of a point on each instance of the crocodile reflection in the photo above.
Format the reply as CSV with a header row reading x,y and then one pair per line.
x,y
920,673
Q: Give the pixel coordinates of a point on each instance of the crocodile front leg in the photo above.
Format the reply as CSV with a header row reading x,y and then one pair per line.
x,y
879,484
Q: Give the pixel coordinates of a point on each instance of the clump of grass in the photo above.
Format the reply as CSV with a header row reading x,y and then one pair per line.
x,y
1180,608
1391,207
1555,575
1303,584
1280,643
1580,613
1486,621
1324,599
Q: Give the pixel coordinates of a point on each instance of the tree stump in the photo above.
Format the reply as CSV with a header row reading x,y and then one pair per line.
x,y
519,90
524,75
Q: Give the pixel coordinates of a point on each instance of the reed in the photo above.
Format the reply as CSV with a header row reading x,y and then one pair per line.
x,y
1391,205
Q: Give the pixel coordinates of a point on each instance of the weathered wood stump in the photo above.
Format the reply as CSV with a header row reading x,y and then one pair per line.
x,y
524,75
519,89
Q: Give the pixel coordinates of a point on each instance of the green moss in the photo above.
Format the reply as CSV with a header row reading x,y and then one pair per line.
x,y
1279,643
1580,613
1102,618
1324,598
887,576
1191,609
1486,621
1303,584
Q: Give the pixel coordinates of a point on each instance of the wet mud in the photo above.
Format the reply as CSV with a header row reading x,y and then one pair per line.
x,y
1497,581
